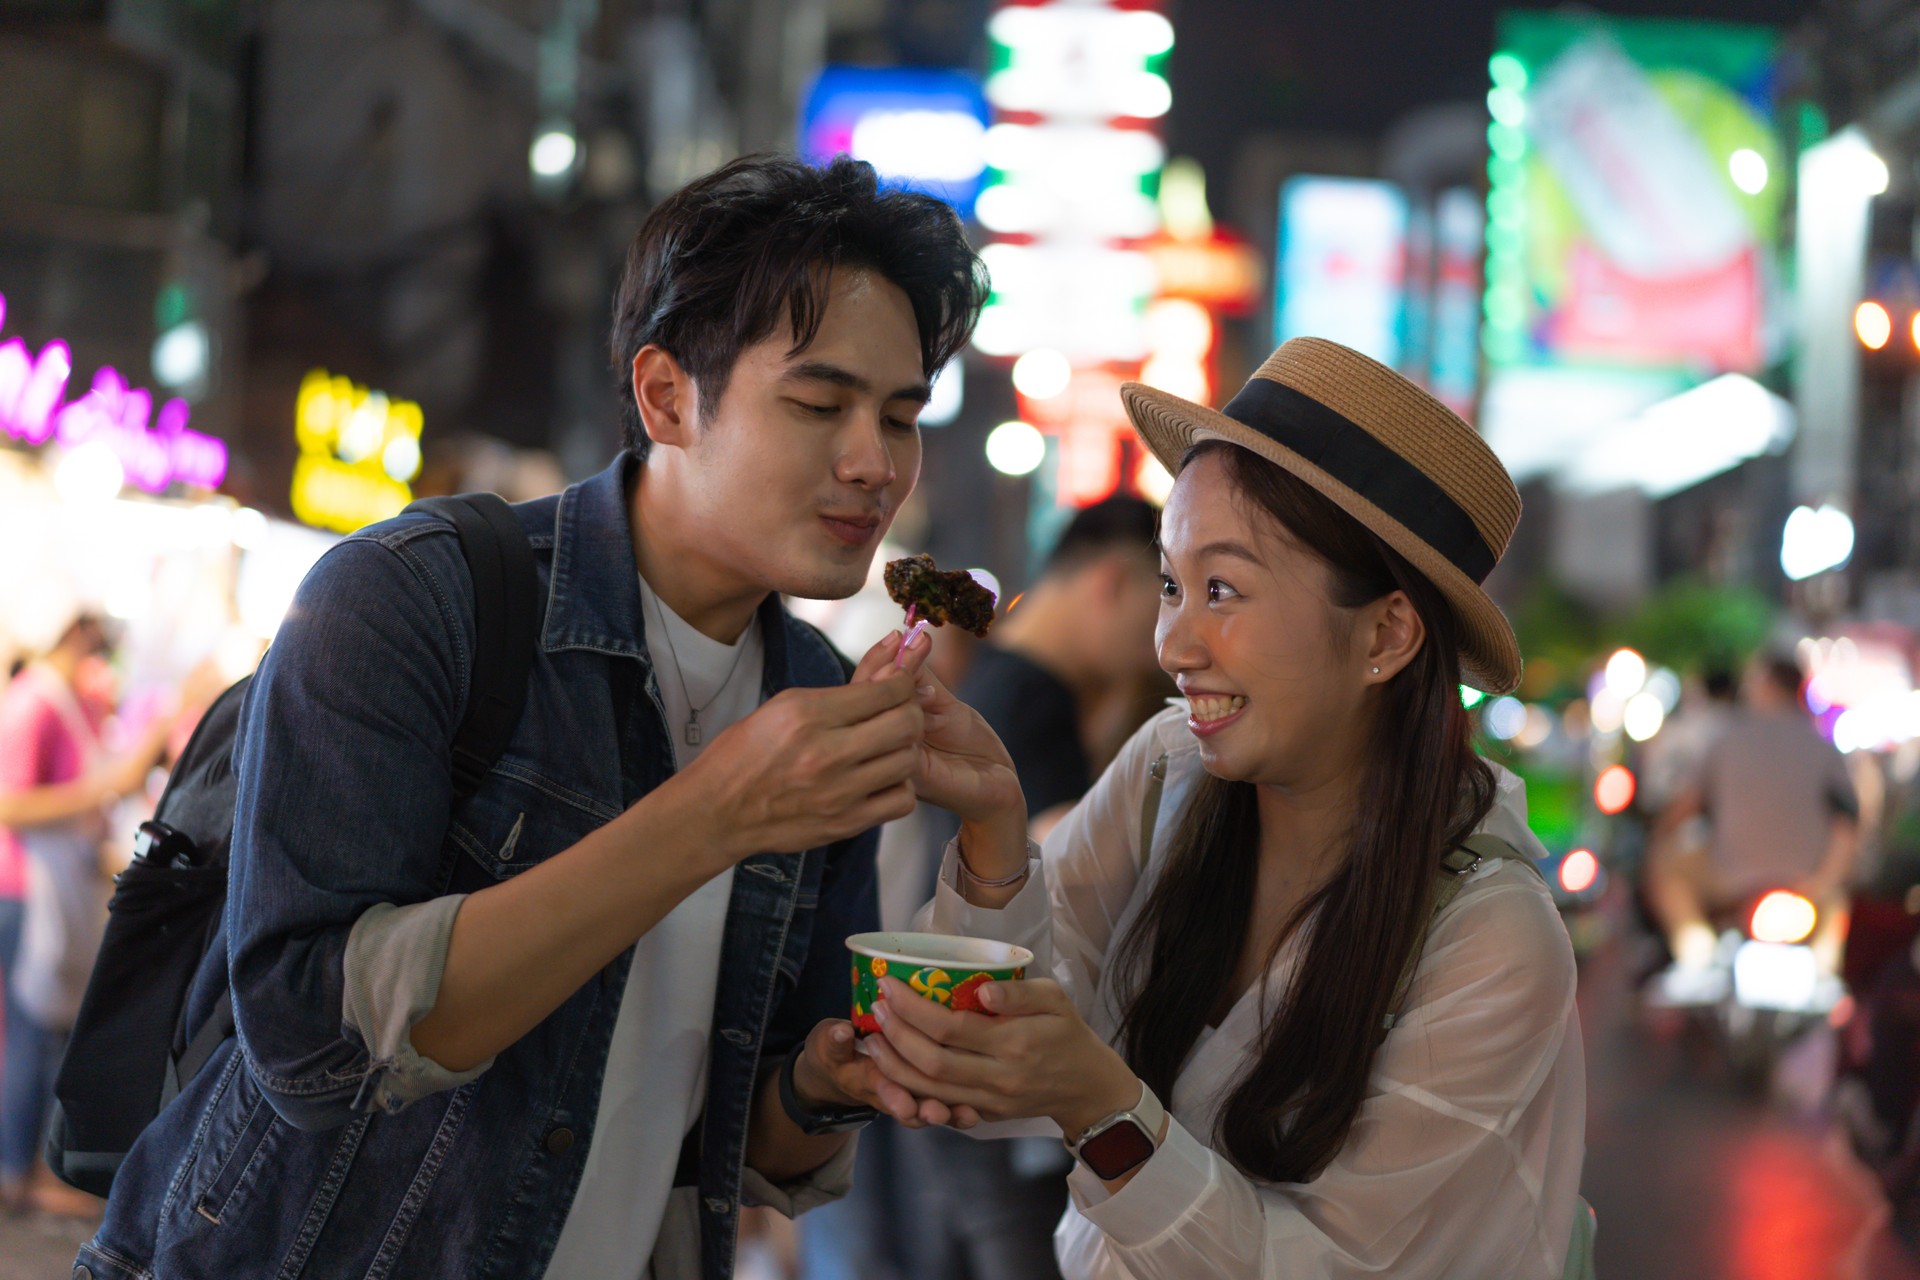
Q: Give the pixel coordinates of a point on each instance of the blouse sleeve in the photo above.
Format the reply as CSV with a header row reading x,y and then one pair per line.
x,y
1068,910
1456,1164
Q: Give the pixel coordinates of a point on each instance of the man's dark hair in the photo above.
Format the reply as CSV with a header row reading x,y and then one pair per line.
x,y
722,262
1122,523
1784,672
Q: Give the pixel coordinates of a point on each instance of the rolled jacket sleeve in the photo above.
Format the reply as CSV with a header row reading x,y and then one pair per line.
x,y
810,1190
395,959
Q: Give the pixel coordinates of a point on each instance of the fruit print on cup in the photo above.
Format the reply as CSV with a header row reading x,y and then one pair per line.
x,y
946,970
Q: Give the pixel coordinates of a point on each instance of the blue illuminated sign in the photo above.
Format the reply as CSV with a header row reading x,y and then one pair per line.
x,y
922,129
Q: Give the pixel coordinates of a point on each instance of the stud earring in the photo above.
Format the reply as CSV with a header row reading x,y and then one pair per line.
x,y
1376,671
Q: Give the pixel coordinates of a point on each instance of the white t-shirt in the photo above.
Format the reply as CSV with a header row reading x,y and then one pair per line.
x,y
656,1077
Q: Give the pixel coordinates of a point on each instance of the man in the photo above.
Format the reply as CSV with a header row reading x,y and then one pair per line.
x,y
1782,813
568,1025
55,784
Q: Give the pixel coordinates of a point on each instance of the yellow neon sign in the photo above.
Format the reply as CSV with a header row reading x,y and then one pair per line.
x,y
358,452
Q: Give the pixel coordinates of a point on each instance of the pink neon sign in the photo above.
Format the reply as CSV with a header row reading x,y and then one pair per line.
x,y
111,412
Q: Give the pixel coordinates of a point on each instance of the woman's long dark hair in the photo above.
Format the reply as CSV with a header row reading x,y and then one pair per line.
x,y
1423,791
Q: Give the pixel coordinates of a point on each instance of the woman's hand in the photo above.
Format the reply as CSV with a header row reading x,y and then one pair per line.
x,y
963,766
1033,1055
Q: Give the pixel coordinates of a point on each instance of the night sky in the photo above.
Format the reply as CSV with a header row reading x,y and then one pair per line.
x,y
1243,67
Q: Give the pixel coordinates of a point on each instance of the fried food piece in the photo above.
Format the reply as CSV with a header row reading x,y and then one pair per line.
x,y
940,596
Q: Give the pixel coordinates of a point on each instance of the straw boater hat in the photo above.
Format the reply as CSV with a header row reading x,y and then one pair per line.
x,y
1389,454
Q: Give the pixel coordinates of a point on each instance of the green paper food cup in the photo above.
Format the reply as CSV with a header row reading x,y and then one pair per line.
x,y
943,968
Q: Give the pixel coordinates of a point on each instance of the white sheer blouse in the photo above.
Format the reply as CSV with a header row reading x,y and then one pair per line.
x,y
1464,1160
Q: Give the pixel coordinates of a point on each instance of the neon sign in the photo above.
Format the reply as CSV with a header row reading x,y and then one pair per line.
x,y
155,449
1073,164
922,129
358,452
1074,160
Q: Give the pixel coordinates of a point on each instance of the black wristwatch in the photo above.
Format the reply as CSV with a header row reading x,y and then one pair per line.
x,y
814,1121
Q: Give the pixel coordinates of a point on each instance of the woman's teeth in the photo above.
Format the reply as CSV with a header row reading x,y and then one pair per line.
x,y
1206,710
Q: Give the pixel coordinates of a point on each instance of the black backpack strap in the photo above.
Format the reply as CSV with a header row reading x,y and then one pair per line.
x,y
212,1033
506,619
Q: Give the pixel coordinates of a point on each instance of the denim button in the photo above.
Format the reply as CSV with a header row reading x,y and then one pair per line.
x,y
716,1205
559,1140
83,1273
734,1035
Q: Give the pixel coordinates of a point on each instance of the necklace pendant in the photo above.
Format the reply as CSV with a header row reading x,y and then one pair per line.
x,y
693,731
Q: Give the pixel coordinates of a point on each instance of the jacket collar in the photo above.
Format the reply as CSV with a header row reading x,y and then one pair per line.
x,y
593,597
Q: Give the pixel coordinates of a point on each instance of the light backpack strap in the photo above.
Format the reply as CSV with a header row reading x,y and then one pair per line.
x,y
1150,805
1455,866
1579,1264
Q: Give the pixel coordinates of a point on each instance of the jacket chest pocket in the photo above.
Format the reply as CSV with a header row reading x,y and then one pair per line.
x,y
518,819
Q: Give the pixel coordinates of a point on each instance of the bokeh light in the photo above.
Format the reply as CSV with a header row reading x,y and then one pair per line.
x,y
1783,917
1626,673
1042,374
1015,448
1578,871
1872,325
1748,169
1504,718
1642,716
1613,790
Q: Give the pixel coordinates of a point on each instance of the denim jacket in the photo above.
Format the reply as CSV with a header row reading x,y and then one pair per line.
x,y
287,1155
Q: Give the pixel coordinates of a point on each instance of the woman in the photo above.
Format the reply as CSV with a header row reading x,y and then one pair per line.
x,y
1283,1037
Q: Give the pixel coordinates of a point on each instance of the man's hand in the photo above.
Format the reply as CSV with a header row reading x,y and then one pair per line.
x,y
832,1072
809,767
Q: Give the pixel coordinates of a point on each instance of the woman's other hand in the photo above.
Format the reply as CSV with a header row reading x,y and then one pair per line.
x,y
963,766
1032,1055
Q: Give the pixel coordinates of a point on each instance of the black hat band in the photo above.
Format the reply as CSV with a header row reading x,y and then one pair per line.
x,y
1358,460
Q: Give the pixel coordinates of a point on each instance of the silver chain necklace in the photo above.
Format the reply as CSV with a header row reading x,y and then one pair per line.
x,y
693,719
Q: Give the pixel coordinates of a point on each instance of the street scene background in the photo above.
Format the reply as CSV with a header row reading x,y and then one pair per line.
x,y
271,270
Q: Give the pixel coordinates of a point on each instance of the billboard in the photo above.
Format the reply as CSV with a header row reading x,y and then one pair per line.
x,y
1636,190
1342,261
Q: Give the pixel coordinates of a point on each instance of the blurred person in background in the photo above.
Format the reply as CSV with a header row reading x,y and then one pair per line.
x,y
1057,669
1781,813
56,781
1056,679
1672,758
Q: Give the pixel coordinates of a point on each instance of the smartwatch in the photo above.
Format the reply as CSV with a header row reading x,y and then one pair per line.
x,y
814,1121
1124,1140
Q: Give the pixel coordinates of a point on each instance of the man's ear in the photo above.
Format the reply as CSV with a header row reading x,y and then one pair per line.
x,y
664,393
1395,634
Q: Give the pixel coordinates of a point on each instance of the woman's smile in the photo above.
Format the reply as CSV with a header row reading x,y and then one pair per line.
x,y
1209,713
